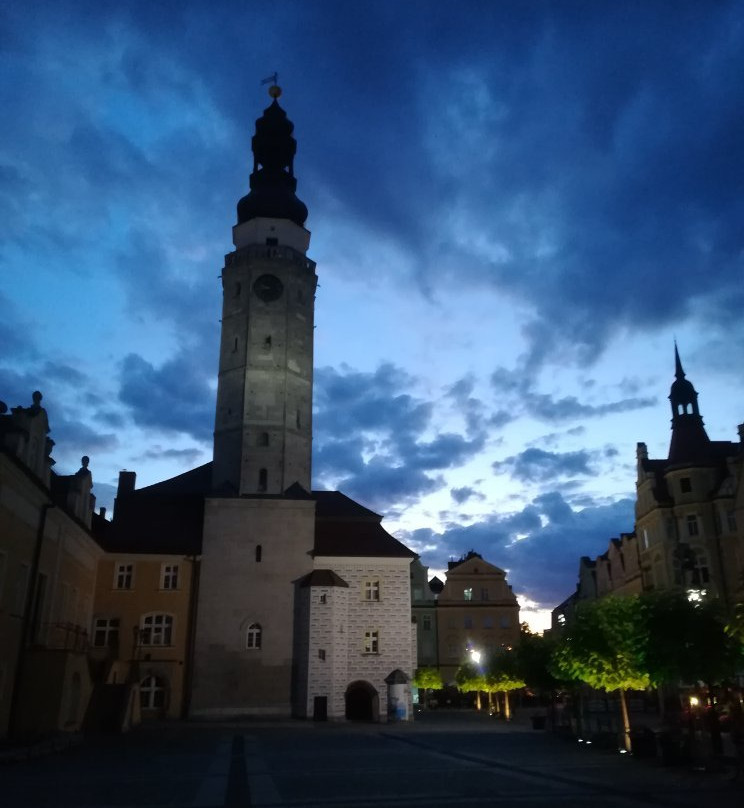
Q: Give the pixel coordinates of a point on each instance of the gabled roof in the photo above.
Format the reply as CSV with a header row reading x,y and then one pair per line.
x,y
357,538
167,517
322,578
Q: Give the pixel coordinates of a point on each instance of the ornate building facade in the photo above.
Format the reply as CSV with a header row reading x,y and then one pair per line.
x,y
689,517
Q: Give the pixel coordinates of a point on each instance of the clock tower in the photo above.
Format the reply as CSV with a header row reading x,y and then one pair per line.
x,y
263,423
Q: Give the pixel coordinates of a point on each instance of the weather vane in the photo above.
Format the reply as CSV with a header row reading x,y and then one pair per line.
x,y
274,91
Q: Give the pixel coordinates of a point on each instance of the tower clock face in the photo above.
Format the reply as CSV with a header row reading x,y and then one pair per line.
x,y
268,288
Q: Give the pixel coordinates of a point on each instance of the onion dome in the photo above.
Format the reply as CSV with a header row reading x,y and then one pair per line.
x,y
272,182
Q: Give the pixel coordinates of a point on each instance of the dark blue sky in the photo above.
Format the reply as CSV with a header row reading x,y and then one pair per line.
x,y
515,208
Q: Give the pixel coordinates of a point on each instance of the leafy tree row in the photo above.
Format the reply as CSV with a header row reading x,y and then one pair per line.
x,y
614,644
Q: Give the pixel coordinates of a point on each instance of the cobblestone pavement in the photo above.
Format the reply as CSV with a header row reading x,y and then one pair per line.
x,y
458,759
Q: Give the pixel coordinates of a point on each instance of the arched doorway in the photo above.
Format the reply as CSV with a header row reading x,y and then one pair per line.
x,y
362,702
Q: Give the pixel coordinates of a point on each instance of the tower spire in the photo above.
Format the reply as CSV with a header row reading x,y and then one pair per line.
x,y
689,438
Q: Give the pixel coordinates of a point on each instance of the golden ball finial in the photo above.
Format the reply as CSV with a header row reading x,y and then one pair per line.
x,y
275,91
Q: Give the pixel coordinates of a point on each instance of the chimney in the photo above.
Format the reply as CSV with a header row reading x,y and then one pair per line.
x,y
102,512
126,483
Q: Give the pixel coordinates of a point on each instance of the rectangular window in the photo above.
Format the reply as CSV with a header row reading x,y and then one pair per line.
x,y
427,622
169,576
685,485
504,622
488,622
321,654
371,642
371,590
692,525
467,622
106,632
646,541
19,600
730,521
467,594
323,598
157,629
484,593
123,576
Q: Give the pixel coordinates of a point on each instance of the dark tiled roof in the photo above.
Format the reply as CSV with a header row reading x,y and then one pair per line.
x,y
196,481
335,505
323,578
357,538
156,523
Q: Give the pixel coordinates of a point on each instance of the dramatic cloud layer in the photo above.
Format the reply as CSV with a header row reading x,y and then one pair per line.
x,y
515,208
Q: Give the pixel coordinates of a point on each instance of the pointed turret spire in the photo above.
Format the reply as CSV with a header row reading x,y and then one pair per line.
x,y
272,181
689,438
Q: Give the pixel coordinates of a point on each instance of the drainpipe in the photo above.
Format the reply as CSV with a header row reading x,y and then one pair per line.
x,y
31,586
188,674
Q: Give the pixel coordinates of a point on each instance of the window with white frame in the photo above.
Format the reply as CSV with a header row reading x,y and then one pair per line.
x,y
169,576
123,576
253,637
372,642
152,693
156,629
106,632
371,590
467,593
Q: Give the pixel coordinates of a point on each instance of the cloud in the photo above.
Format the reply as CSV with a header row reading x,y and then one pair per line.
x,y
539,546
371,437
184,457
465,493
176,397
536,465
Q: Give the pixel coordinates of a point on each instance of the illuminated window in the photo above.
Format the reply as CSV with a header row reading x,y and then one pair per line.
x,y
468,593
371,590
123,576
156,629
371,642
169,576
253,637
692,525
106,632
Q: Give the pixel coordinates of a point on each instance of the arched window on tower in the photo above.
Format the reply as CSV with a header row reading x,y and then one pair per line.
x,y
253,637
263,477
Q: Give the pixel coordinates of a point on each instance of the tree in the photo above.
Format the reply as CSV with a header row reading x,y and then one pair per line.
x,y
503,675
427,679
687,640
603,646
470,679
